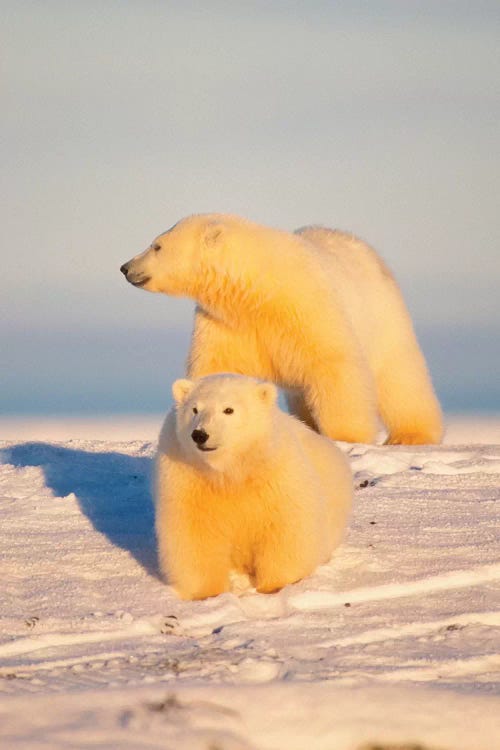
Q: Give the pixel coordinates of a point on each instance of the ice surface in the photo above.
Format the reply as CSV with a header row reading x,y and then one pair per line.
x,y
395,641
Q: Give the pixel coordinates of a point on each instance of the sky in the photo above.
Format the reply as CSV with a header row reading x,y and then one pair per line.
x,y
121,117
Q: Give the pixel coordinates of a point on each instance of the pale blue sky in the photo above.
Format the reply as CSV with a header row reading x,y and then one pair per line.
x,y
120,117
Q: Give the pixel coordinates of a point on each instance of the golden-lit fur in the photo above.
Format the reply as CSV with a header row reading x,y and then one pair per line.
x,y
270,498
316,312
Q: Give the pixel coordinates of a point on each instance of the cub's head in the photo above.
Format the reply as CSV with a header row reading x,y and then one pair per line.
x,y
178,259
223,420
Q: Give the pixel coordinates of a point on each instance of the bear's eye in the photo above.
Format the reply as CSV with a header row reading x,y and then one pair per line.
x,y
228,410
156,247
195,410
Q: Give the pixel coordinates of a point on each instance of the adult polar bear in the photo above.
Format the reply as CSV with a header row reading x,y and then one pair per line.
x,y
316,312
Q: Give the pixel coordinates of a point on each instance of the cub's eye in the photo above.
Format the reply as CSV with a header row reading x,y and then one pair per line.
x,y
156,247
228,410
195,410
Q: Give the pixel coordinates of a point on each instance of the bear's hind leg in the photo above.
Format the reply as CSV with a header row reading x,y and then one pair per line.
x,y
407,402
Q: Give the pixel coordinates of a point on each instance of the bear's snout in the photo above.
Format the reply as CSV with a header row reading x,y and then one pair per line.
x,y
199,436
135,277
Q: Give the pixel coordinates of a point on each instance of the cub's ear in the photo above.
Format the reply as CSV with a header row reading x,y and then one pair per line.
x,y
267,392
213,233
181,390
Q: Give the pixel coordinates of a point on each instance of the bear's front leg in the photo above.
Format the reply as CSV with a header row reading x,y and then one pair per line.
x,y
202,586
197,571
328,365
271,576
192,558
215,347
340,395
281,560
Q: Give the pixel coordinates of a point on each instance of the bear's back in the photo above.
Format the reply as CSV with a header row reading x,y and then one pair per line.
x,y
364,287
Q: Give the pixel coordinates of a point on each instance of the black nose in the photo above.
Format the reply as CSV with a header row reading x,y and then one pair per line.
x,y
124,268
199,436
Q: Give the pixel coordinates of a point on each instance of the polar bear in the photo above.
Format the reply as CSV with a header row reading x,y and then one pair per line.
x,y
241,486
316,312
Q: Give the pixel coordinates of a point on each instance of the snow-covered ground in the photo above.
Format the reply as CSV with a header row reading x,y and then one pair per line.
x,y
460,429
394,644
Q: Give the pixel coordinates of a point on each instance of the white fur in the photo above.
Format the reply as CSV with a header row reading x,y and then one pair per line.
x,y
269,499
316,312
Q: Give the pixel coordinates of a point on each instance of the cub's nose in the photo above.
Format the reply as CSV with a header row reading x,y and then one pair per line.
x,y
199,436
124,268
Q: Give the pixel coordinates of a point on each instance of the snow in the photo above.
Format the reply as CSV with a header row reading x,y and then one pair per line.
x,y
394,643
460,428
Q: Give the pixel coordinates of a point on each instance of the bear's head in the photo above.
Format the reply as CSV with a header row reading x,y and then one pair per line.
x,y
181,259
225,421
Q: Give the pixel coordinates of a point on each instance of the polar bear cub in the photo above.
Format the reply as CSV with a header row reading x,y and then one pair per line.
x,y
243,487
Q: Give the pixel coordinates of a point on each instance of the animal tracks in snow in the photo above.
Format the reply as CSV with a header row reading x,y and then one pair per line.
x,y
454,579
54,640
416,629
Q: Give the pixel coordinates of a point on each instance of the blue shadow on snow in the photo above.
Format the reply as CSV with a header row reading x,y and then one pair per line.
x,y
112,489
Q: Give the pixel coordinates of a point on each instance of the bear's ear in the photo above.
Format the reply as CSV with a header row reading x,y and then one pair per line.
x,y
213,233
268,393
181,390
